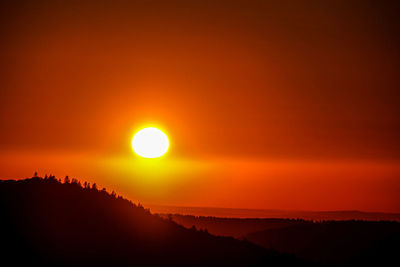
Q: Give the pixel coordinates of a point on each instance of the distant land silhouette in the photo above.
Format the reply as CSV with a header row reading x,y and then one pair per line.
x,y
348,242
282,214
47,222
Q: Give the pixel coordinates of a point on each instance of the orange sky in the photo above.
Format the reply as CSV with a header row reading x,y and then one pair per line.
x,y
268,104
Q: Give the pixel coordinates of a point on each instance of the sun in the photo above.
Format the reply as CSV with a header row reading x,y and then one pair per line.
x,y
150,142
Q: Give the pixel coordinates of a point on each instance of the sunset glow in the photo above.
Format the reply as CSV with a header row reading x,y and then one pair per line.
x,y
281,105
200,133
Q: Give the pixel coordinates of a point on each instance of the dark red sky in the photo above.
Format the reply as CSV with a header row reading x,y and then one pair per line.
x,y
267,89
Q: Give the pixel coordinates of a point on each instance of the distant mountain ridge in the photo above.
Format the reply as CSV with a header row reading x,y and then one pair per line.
x,y
281,214
348,242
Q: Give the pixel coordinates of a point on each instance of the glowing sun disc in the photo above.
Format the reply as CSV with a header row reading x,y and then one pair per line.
x,y
150,143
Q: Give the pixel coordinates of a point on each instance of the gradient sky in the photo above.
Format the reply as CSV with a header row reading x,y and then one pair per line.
x,y
267,104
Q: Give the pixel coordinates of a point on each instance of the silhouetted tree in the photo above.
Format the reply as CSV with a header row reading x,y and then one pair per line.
x,y
52,177
66,180
76,182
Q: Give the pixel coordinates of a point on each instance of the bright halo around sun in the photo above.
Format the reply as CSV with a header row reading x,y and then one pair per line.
x,y
150,143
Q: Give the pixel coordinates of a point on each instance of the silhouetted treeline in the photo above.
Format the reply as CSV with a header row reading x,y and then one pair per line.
x,y
338,215
45,221
236,227
328,242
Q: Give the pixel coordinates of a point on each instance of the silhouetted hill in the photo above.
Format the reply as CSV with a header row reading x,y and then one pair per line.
x,y
236,227
328,242
45,221
336,242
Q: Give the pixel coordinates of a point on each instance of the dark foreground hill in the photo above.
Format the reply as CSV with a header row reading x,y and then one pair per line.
x,y
336,242
48,222
330,242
